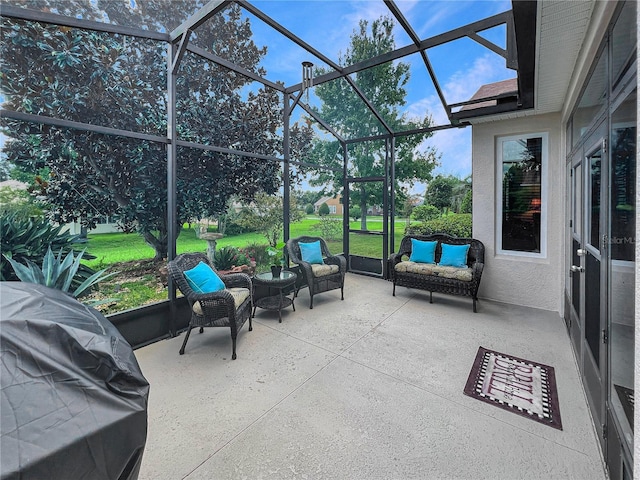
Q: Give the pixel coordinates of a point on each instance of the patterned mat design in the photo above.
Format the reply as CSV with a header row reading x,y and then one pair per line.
x,y
515,384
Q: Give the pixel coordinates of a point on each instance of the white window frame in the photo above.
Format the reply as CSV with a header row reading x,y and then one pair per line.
x,y
543,194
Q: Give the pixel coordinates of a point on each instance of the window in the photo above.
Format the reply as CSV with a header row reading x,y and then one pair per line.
x,y
623,180
332,209
592,100
522,166
623,41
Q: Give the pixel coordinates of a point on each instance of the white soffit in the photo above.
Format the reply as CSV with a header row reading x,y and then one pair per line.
x,y
562,29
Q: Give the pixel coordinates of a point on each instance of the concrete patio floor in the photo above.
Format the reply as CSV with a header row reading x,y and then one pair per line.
x,y
366,388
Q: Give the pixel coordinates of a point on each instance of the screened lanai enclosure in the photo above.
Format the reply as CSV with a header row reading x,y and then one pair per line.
x,y
159,113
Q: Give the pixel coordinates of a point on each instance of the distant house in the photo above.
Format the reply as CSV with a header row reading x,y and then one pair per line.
x,y
334,203
374,210
105,224
14,185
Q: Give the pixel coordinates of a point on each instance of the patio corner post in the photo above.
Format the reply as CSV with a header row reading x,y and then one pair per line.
x,y
392,198
171,178
286,199
386,203
345,204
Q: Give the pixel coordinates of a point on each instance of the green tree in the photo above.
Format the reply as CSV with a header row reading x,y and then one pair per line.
x,y
440,191
459,193
424,213
384,85
19,200
120,82
330,228
467,202
309,209
265,215
355,213
307,197
323,211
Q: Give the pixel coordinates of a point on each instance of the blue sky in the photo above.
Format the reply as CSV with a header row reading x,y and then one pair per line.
x,y
462,67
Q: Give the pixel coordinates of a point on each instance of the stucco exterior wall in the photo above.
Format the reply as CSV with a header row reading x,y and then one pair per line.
x,y
534,282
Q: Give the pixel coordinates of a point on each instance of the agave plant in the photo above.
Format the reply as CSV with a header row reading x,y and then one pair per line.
x,y
228,257
58,272
23,238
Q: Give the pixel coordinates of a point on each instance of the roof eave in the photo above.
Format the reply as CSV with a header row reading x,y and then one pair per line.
x,y
524,20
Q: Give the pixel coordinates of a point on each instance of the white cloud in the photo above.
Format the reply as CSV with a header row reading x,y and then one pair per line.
x,y
455,144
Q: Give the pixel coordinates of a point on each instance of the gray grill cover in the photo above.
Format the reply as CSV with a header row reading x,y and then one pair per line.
x,y
73,401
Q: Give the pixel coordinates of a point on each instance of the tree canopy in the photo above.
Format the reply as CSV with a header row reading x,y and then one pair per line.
x,y
384,85
118,81
439,191
265,216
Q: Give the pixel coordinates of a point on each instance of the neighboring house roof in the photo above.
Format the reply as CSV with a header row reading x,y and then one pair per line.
x,y
505,88
326,199
561,31
416,200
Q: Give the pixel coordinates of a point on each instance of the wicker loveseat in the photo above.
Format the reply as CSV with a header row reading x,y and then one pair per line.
x,y
433,277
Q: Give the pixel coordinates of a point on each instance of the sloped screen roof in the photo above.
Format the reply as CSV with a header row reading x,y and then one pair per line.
x,y
290,36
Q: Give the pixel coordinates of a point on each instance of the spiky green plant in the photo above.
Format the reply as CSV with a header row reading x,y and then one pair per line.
x,y
228,257
27,238
58,272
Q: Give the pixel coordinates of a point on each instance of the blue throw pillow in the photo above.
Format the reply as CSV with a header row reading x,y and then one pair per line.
x,y
311,252
454,255
202,279
423,252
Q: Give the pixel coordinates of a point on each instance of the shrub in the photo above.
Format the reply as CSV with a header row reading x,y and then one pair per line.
x,y
257,253
355,213
233,228
456,224
309,209
15,200
24,238
324,210
424,213
226,258
330,228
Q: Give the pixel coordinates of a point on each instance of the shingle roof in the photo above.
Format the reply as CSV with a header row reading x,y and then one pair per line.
x,y
504,87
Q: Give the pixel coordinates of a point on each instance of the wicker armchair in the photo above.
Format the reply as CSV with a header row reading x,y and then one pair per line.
x,y
323,279
230,307
440,283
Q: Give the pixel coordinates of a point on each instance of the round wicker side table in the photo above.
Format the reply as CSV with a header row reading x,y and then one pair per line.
x,y
280,300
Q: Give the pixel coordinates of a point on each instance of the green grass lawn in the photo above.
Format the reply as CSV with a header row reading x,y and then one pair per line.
x,y
137,282
110,248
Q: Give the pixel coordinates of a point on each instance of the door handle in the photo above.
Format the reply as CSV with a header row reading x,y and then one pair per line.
x,y
577,269
581,252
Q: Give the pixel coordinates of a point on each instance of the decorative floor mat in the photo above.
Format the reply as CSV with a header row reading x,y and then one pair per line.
x,y
515,384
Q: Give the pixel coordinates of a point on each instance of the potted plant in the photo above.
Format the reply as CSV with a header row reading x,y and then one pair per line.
x,y
277,258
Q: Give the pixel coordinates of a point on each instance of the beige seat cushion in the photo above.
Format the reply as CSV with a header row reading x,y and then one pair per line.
x,y
459,273
464,274
321,270
415,267
239,295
